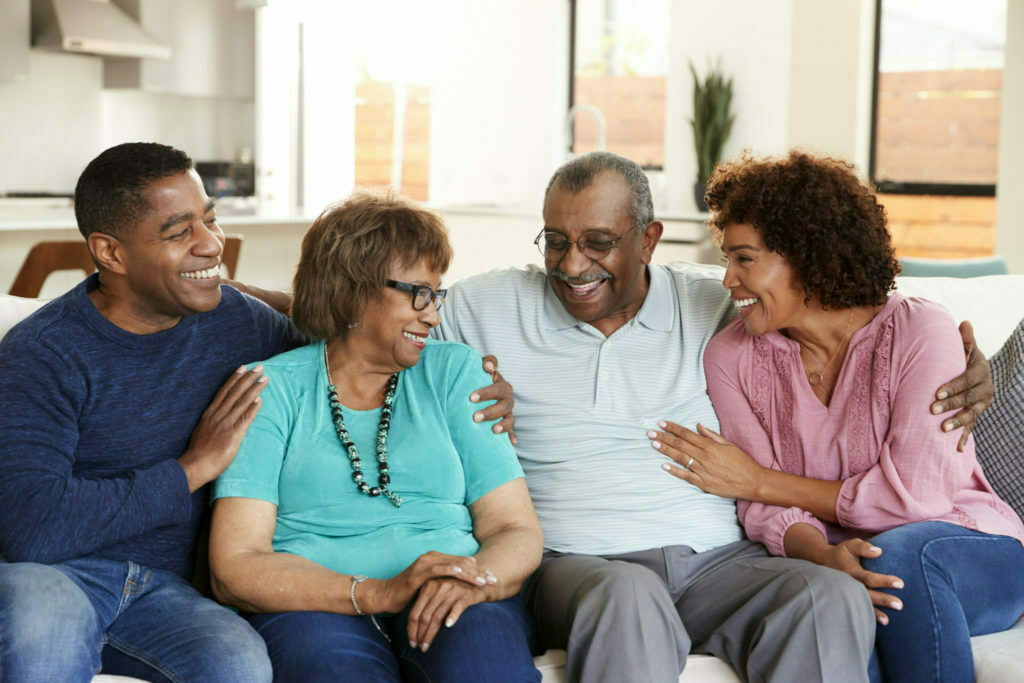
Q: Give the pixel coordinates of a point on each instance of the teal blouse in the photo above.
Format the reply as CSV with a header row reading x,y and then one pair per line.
x,y
440,462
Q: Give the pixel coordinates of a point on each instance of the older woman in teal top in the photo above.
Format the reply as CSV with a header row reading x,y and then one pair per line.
x,y
368,526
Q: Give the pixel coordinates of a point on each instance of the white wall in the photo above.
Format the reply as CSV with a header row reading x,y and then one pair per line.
x,y
499,101
1010,200
754,42
61,117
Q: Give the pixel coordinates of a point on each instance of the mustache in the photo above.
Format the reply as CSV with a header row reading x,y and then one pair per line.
x,y
583,278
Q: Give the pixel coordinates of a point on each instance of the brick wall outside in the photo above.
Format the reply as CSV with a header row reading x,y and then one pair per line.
x,y
375,110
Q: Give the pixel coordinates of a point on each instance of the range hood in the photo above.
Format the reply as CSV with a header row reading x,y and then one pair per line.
x,y
97,27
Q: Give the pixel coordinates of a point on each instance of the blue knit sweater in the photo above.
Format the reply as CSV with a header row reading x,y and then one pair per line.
x,y
93,418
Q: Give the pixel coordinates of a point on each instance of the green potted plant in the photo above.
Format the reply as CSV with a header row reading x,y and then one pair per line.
x,y
712,122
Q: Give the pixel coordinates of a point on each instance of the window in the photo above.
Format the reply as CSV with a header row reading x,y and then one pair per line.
x,y
937,97
617,78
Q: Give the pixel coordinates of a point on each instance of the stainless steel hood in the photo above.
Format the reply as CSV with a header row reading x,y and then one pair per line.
x,y
96,27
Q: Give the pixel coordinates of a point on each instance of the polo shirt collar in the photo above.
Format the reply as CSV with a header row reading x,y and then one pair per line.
x,y
655,313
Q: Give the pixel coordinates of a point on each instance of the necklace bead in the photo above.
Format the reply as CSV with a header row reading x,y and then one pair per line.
x,y
383,478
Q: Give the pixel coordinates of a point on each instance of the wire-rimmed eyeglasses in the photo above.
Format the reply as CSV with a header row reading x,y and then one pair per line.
x,y
553,245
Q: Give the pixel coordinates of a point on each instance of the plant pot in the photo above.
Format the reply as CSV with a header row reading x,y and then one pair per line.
x,y
698,196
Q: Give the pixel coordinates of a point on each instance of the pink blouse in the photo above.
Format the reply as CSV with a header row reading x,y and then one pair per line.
x,y
878,434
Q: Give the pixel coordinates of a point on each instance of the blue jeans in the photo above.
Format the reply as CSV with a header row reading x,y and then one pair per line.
x,y
63,622
491,642
958,583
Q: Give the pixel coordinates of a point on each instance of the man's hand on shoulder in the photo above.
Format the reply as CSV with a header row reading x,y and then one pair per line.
x,y
216,438
970,393
501,392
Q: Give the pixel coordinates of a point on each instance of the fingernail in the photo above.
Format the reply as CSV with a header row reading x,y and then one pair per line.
x,y
652,435
412,644
450,622
240,370
424,647
947,427
936,410
513,441
257,400
492,579
478,417
943,395
897,584
262,379
896,604
458,570
474,397
480,580
663,424
656,444
498,429
489,366
258,368
883,620
667,467
874,548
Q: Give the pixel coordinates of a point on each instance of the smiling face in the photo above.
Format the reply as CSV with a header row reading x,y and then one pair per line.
x,y
171,258
393,331
605,293
760,281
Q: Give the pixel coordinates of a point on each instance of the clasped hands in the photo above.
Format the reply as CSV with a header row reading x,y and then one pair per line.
x,y
442,587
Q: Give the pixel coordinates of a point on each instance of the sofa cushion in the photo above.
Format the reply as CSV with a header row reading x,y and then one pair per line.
x,y
999,434
13,309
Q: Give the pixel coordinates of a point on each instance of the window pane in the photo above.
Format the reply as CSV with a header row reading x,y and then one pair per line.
x,y
939,88
621,69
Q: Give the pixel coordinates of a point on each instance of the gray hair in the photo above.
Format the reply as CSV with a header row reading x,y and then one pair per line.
x,y
578,173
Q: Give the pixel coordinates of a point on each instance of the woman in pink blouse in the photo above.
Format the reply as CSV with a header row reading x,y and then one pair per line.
x,y
823,380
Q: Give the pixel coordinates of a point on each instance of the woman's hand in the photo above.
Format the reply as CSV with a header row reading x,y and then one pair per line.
x,y
500,391
972,391
440,601
392,595
708,461
846,556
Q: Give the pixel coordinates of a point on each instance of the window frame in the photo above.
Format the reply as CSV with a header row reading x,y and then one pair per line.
x,y
900,187
572,84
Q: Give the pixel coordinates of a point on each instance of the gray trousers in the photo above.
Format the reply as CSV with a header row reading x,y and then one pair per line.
x,y
636,617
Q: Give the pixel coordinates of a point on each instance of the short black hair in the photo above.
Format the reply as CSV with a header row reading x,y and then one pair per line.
x,y
108,196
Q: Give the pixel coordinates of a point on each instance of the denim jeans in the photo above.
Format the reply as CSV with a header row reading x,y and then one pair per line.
x,y
958,583
61,622
491,642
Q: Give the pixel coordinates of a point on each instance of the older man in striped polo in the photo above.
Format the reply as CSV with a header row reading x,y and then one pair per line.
x,y
640,569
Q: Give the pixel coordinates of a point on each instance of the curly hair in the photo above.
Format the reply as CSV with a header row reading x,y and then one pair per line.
x,y
347,252
816,214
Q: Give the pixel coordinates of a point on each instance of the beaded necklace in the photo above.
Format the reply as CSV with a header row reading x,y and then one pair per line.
x,y
384,479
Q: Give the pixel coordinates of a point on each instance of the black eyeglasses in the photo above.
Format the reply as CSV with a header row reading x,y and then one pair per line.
x,y
594,245
421,294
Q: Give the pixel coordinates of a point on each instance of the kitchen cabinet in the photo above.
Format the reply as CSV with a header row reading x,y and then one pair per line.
x,y
212,45
15,37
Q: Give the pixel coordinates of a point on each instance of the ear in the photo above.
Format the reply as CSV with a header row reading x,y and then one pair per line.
x,y
108,252
651,235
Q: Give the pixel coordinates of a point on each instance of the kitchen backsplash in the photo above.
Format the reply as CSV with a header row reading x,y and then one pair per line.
x,y
61,117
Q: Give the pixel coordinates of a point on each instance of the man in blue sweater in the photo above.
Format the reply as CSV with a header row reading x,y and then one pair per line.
x,y
121,400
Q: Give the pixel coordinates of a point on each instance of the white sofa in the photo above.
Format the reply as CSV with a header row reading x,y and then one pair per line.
x,y
994,304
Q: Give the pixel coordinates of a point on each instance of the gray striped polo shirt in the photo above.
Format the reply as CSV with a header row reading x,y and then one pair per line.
x,y
584,403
